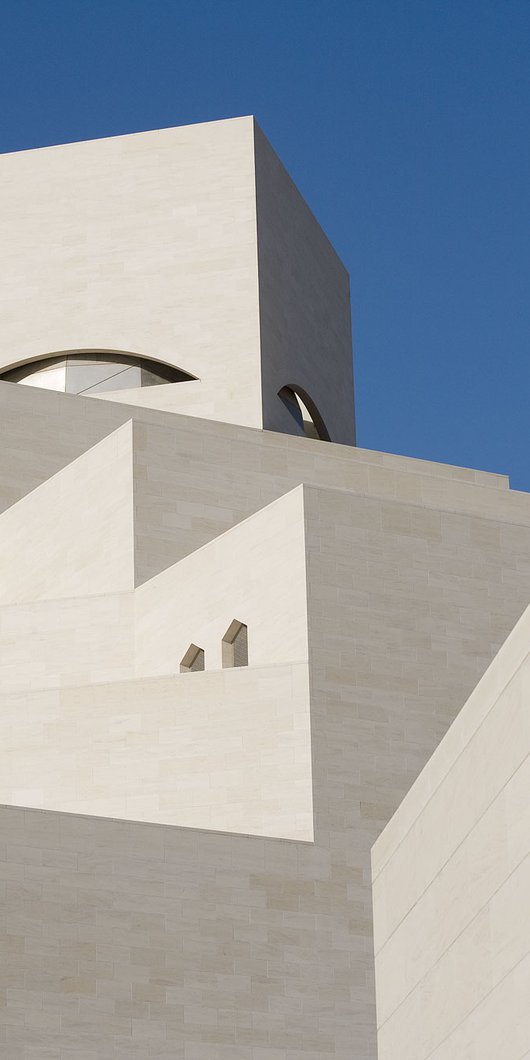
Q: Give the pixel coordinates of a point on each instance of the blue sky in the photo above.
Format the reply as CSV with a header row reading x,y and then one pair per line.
x,y
405,124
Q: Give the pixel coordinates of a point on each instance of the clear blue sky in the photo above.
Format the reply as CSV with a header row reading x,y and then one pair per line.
x,y
406,125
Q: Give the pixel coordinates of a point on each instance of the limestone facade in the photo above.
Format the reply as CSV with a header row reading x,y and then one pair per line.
x,y
452,883
185,856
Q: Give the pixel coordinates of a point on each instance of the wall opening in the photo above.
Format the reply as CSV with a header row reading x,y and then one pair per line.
x,y
235,645
94,372
304,412
193,660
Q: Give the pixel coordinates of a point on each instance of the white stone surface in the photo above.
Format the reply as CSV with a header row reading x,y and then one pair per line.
x,y
304,304
254,573
186,245
74,534
452,880
143,244
204,750
72,631
76,640
376,590
228,750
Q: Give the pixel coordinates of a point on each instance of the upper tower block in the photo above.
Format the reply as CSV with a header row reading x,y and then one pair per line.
x,y
178,269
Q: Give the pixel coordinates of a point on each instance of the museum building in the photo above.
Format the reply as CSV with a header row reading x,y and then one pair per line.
x,y
236,650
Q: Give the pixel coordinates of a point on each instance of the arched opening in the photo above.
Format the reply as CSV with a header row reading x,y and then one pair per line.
x,y
193,660
235,645
94,372
304,412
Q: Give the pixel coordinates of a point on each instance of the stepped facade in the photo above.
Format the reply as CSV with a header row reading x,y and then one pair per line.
x,y
230,638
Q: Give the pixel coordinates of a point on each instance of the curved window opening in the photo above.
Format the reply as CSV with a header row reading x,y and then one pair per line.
x,y
193,660
235,645
304,412
94,372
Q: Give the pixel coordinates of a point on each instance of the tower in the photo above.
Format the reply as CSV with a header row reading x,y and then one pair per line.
x,y
190,251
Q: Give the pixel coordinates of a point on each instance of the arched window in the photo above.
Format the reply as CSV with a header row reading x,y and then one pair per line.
x,y
235,645
304,411
193,660
94,372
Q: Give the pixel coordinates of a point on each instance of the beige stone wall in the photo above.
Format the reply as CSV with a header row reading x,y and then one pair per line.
x,y
255,573
195,479
201,750
227,750
144,244
304,304
254,945
162,942
73,535
416,572
188,245
376,593
452,883
407,607
54,643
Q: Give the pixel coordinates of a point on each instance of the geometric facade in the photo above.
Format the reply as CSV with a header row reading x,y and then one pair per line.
x,y
230,640
451,883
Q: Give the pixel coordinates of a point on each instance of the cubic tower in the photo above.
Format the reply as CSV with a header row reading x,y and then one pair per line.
x,y
230,639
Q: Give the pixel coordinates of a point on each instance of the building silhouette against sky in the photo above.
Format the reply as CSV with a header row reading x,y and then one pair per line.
x,y
231,640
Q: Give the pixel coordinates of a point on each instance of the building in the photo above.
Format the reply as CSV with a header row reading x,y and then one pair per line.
x,y
230,639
